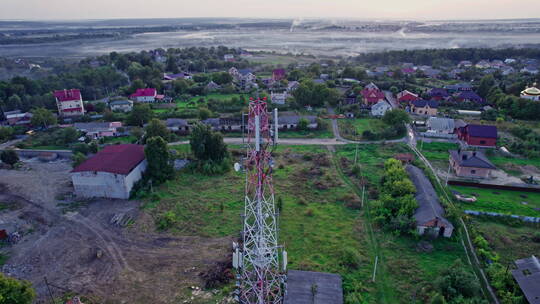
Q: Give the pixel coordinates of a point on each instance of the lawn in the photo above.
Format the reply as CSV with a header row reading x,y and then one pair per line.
x,y
120,140
353,128
292,134
316,227
501,201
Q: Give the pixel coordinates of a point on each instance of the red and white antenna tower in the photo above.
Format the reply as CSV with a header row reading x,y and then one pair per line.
x,y
260,262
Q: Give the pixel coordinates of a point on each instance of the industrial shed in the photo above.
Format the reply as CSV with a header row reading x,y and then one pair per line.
x,y
308,287
111,173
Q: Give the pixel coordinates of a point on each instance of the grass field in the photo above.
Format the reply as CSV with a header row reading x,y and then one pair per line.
x,y
120,140
511,243
404,272
501,201
353,128
316,227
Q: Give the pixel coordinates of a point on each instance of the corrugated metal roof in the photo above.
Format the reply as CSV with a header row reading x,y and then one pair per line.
x,y
307,287
118,159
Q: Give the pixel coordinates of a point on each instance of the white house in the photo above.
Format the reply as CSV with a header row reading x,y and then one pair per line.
x,y
69,102
122,105
111,173
278,98
532,93
147,95
380,108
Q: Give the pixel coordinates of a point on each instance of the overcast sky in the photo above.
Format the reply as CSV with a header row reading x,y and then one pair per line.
x,y
363,9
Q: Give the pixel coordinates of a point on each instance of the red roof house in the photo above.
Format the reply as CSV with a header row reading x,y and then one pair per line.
x,y
406,96
69,102
111,173
68,95
372,94
146,95
478,135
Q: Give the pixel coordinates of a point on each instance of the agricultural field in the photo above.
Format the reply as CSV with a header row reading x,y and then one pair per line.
x,y
501,201
353,128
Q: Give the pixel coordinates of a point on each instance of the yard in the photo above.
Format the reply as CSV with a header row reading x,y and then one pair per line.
x,y
501,201
353,128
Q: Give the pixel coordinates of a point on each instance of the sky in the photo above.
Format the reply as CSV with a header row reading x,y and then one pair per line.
x,y
361,9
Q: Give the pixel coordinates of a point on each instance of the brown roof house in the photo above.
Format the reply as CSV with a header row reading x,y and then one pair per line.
x,y
470,164
429,216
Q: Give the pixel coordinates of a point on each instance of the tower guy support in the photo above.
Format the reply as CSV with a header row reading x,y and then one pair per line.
x,y
259,260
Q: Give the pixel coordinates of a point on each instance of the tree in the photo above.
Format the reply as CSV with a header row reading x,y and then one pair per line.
x,y
137,133
9,157
204,113
158,157
486,83
221,78
157,128
303,124
396,117
67,136
42,117
456,281
6,133
141,114
13,291
207,145
77,159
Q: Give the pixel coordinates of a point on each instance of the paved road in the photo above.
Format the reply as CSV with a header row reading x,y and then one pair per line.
x,y
282,141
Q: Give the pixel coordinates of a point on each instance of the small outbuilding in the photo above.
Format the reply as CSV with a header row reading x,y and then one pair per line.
x,y
308,287
111,173
527,276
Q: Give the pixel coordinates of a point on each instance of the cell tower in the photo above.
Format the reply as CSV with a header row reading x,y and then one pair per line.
x,y
260,262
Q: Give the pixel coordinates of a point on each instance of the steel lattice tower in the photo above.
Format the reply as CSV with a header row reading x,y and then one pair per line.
x,y
260,262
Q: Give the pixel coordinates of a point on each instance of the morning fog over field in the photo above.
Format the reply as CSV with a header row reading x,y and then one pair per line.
x,y
310,36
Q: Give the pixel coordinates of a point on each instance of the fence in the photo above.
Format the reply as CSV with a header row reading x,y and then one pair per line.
x,y
35,153
524,187
529,219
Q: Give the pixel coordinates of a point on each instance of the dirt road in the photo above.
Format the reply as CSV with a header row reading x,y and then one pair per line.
x,y
84,251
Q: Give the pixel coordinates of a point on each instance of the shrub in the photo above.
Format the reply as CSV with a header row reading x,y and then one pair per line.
x,y
350,258
166,220
9,157
309,212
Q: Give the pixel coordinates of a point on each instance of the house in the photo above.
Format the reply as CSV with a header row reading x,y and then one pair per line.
x,y
441,125
459,87
424,107
507,70
473,164
301,284
408,71
16,118
438,94
406,96
432,73
69,102
96,130
291,121
182,75
483,64
527,275
319,81
530,70
478,135
324,77
279,98
228,57
146,95
372,94
464,64
177,125
111,173
510,61
212,86
497,64
243,78
455,73
380,108
278,74
469,96
531,93
292,85
405,158
224,124
429,216
121,105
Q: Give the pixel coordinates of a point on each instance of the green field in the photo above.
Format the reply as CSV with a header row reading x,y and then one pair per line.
x,y
120,140
501,201
353,128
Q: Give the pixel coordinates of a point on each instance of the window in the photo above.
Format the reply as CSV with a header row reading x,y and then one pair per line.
x,y
482,142
473,171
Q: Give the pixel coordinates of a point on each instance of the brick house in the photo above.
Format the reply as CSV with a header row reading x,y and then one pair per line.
x,y
278,74
438,94
425,107
470,164
372,94
478,135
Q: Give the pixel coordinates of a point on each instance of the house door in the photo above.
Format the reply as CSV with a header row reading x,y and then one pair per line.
x,y
441,231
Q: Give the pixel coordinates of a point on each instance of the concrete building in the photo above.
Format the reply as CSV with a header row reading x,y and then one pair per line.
x,y
96,130
380,108
69,102
429,216
16,118
291,121
279,98
111,173
472,164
